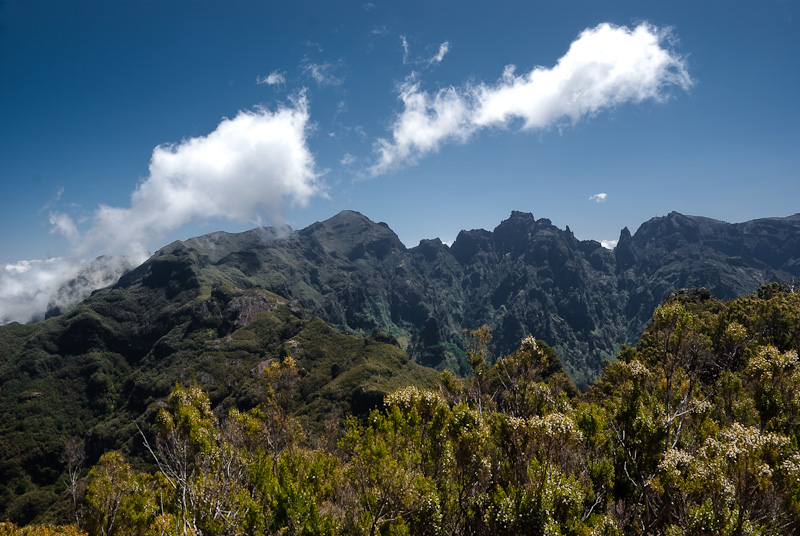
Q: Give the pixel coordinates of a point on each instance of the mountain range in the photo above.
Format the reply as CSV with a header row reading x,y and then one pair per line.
x,y
526,276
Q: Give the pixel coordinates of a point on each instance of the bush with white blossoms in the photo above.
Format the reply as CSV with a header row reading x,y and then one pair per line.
x,y
556,425
636,369
411,397
769,362
675,462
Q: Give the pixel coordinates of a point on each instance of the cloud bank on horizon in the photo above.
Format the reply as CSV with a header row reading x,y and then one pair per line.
x,y
606,66
254,164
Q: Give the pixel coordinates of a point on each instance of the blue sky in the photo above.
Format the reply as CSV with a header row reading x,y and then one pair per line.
x,y
126,125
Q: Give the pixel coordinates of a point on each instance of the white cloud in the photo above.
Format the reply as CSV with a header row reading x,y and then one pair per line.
x,y
348,159
29,289
405,48
250,166
604,67
598,198
26,287
444,48
341,107
274,78
64,225
609,244
323,73
427,121
311,44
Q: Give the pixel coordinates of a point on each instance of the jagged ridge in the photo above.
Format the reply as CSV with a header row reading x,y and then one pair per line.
x,y
525,276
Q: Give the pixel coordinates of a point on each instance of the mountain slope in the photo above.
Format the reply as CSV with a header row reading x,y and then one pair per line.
x,y
525,276
95,371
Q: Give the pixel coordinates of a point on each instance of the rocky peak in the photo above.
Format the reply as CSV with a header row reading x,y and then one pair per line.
x,y
514,234
353,235
623,252
471,244
430,249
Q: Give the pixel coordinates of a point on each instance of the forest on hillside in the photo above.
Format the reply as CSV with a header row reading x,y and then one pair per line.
x,y
693,431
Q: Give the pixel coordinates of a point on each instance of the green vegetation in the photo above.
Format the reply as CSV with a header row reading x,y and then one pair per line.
x,y
694,431
98,371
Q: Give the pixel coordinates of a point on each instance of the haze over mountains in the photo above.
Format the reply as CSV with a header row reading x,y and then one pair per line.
x,y
525,276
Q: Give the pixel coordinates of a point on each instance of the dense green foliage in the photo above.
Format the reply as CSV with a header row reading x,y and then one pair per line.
x,y
96,371
693,431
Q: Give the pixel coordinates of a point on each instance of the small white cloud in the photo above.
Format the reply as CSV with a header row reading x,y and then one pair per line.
x,y
64,225
312,44
53,202
609,244
606,66
598,198
272,79
341,107
348,159
404,42
323,73
444,48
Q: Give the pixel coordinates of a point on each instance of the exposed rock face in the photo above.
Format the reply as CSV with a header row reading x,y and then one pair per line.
x,y
526,276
